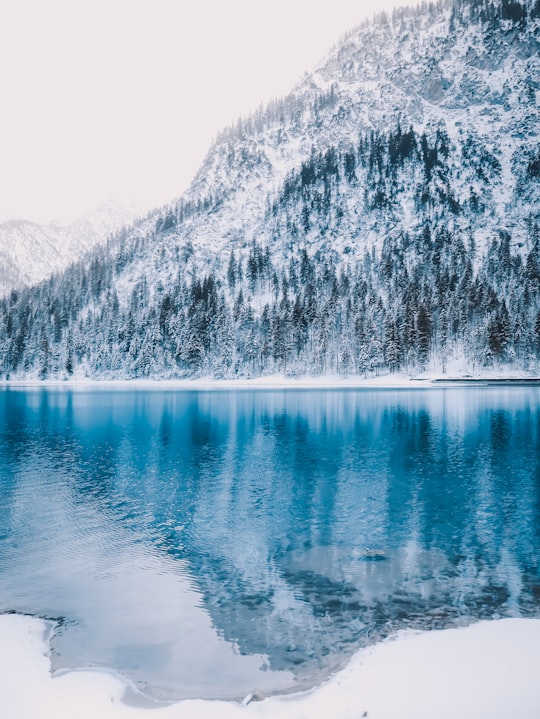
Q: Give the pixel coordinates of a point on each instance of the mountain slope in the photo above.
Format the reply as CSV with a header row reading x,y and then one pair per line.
x,y
425,68
30,252
385,215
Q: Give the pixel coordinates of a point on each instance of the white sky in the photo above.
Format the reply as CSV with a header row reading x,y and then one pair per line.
x,y
120,99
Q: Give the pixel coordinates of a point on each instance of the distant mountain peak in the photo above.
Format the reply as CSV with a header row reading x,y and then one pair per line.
x,y
30,251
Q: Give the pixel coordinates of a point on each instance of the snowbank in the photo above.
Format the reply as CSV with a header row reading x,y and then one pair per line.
x,y
208,383
490,669
272,382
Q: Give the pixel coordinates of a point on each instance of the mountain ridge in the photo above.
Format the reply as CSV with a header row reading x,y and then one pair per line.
x,y
31,251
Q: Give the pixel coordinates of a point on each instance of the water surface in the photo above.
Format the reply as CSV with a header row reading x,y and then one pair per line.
x,y
209,543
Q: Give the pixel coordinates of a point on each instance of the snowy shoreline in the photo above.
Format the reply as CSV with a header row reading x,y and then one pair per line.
x,y
488,669
281,382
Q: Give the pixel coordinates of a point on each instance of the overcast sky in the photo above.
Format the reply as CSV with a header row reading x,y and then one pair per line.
x,y
120,99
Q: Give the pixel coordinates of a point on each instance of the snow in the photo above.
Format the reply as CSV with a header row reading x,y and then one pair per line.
x,y
489,669
471,80
207,383
30,252
455,376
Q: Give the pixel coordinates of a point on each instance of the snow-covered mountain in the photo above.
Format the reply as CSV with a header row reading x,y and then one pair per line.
x,y
441,66
30,252
384,215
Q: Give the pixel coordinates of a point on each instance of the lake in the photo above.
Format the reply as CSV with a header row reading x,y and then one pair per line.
x,y
208,543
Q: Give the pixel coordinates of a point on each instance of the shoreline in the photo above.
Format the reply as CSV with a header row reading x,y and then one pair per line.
x,y
487,669
281,382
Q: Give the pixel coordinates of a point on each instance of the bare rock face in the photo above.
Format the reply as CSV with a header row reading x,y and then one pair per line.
x,y
435,87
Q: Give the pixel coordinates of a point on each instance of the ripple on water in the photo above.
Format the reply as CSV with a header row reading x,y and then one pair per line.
x,y
208,543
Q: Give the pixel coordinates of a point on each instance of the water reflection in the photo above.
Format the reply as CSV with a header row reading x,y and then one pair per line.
x,y
206,543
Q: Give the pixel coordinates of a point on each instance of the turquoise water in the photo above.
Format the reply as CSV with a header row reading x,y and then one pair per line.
x,y
209,543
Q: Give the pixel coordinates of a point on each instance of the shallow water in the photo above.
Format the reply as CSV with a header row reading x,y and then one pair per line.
x,y
209,543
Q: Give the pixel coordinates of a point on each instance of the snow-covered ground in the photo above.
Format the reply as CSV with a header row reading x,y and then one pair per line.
x,y
388,381
487,670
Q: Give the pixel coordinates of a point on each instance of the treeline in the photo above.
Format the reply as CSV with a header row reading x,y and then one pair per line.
x,y
313,317
490,11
